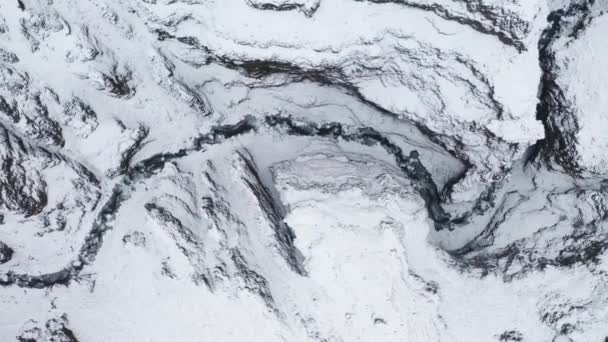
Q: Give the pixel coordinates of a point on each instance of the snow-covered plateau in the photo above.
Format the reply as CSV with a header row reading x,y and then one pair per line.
x,y
304,170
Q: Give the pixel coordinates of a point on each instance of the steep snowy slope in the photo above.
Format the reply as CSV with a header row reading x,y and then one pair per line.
x,y
574,81
303,170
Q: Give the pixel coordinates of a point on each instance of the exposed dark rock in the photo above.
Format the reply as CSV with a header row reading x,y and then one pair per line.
x,y
254,282
220,133
286,5
8,57
188,242
6,253
81,116
22,189
101,225
3,26
118,84
22,105
135,238
54,221
128,154
274,213
54,330
59,331
39,25
186,238
410,165
554,109
167,271
425,58
507,26
31,146
337,76
165,76
576,240
511,336
86,255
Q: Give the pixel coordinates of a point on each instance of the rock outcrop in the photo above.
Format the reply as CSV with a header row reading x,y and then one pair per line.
x,y
314,170
574,76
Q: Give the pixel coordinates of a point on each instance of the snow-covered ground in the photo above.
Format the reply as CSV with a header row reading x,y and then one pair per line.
x,y
303,170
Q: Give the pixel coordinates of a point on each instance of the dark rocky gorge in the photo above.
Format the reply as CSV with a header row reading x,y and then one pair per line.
x,y
316,170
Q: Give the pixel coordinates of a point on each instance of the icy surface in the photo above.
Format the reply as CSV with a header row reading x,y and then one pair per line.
x,y
303,170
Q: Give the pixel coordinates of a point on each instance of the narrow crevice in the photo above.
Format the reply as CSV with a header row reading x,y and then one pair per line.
x,y
333,76
410,165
